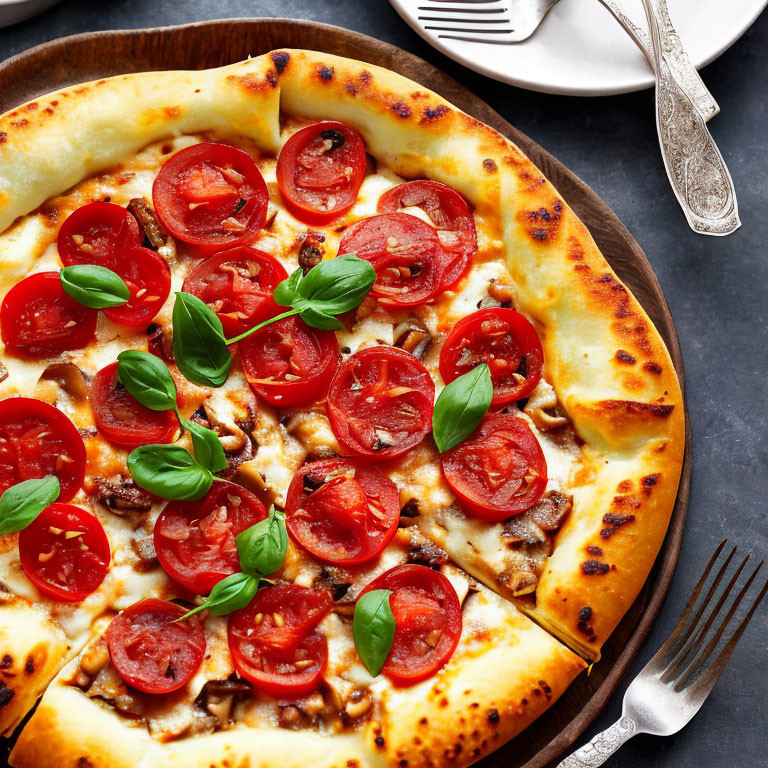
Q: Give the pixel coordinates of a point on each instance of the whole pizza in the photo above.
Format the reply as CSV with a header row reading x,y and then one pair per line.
x,y
328,437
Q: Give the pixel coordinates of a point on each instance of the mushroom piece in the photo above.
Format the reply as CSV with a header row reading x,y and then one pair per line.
x,y
219,697
540,401
142,211
550,510
358,703
310,250
69,378
427,553
521,529
145,550
413,336
497,296
3,373
160,342
520,582
120,495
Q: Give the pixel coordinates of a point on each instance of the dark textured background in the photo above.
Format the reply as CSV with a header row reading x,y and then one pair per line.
x,y
716,289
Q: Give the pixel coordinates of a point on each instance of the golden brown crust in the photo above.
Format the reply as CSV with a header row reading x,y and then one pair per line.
x,y
32,650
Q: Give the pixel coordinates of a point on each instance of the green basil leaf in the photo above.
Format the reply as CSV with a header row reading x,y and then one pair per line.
x,y
317,319
147,378
93,286
461,407
22,503
208,449
230,594
373,628
169,471
336,285
262,547
199,345
285,293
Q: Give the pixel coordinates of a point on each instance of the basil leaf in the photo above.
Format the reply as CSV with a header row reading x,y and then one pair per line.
x,y
147,378
199,345
317,319
230,594
22,503
169,471
262,547
461,407
373,628
208,449
335,286
286,291
94,286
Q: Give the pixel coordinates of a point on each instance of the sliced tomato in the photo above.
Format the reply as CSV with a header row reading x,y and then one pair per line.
x,y
64,552
499,471
148,278
37,319
320,170
211,194
503,339
450,214
97,233
288,363
406,254
380,403
237,284
195,540
274,643
427,621
122,419
153,651
36,440
341,510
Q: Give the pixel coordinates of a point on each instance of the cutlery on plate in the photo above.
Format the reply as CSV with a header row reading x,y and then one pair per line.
x,y
696,169
674,684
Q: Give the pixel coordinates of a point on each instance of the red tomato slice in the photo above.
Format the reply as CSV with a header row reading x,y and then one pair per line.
x,y
211,194
406,254
288,363
449,212
37,319
36,440
341,510
320,170
64,552
151,652
499,471
195,540
380,403
503,339
148,278
237,285
122,419
274,643
427,621
97,233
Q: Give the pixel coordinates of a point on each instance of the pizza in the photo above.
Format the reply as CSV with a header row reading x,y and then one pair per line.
x,y
327,435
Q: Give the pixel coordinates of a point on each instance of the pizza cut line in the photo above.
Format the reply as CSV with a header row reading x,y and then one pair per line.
x,y
364,599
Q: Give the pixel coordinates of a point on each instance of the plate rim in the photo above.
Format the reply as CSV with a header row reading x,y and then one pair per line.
x,y
649,601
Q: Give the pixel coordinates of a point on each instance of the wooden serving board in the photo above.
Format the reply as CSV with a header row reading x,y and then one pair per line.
x,y
91,56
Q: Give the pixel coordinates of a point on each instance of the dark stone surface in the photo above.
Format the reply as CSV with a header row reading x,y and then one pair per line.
x,y
716,288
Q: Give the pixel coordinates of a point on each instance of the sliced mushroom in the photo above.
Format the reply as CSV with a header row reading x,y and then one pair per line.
x,y
519,582
310,250
94,658
521,529
336,580
160,342
155,236
219,697
427,553
358,703
145,550
120,495
413,336
542,408
551,510
69,378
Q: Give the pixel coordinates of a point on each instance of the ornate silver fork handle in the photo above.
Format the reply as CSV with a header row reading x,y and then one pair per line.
x,y
602,746
694,164
677,59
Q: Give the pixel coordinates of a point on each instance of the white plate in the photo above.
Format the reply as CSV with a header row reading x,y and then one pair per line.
x,y
580,49
14,11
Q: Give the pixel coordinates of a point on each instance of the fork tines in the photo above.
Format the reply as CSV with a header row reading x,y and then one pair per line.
x,y
688,658
491,19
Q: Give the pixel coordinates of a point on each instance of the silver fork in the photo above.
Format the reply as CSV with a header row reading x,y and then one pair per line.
x,y
671,688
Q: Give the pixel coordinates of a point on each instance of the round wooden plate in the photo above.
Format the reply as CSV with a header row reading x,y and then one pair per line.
x,y
91,56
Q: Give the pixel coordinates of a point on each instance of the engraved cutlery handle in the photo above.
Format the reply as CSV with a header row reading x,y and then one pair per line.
x,y
602,746
694,164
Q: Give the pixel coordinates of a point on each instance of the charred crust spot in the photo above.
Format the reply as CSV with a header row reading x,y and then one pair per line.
x,y
3,137
403,763
55,103
625,357
352,764
29,665
6,694
614,521
474,705
594,568
84,762
652,367
547,690
625,486
23,123
423,721
280,59
650,480
635,408
31,107
443,702
325,73
352,88
594,551
434,113
493,716
490,165
401,109
272,78
6,662
542,224
585,613
379,742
